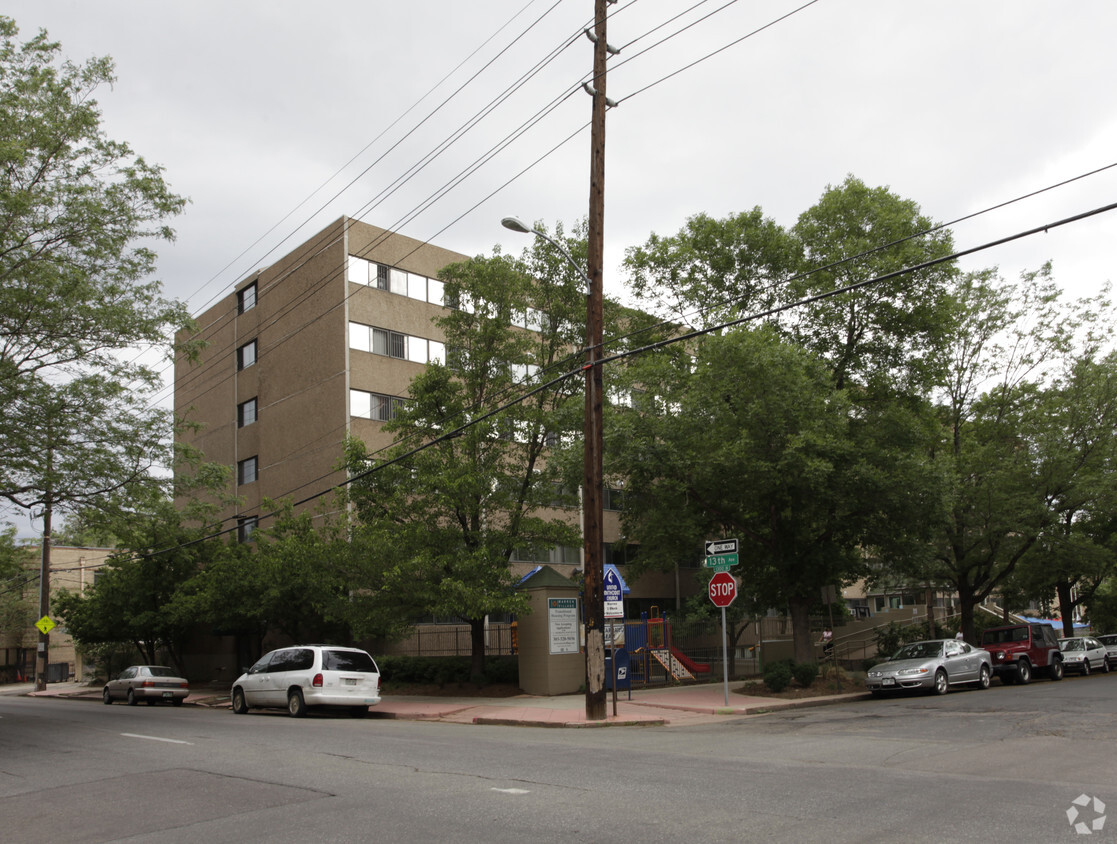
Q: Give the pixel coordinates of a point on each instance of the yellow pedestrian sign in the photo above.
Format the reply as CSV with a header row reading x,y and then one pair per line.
x,y
44,624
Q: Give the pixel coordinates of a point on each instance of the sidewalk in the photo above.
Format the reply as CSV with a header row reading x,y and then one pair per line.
x,y
672,706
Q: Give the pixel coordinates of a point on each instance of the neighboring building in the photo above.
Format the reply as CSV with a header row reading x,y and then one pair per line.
x,y
73,569
323,344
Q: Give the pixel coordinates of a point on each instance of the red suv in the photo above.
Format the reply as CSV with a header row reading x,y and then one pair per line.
x,y
1020,651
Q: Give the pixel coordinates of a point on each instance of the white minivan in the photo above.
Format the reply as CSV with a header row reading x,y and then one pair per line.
x,y
304,676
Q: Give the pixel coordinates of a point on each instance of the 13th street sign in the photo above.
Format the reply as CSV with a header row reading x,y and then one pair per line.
x,y
721,554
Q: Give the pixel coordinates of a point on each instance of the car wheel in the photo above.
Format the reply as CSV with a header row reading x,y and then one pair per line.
x,y
1086,666
105,696
358,711
1055,672
1105,665
132,697
1024,672
240,705
986,678
942,686
295,703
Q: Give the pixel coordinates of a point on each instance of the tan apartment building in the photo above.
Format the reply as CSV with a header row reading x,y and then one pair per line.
x,y
322,344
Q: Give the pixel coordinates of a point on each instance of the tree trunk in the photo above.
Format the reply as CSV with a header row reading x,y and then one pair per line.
x,y
966,604
1066,606
931,633
477,650
800,609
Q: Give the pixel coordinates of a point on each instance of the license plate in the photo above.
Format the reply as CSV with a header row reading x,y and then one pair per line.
x,y
349,681
168,695
888,681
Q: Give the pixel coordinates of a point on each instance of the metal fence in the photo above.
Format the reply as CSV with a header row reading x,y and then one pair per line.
x,y
450,640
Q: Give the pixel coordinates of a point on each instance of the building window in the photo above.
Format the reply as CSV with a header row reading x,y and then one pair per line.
x,y
382,277
246,413
246,471
246,527
379,408
246,298
614,499
246,355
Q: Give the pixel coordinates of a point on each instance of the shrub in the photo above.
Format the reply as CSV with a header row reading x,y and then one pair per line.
x,y
777,676
805,673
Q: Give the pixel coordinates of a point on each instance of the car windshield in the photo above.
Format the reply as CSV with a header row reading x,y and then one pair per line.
x,y
162,671
919,650
1072,644
348,661
1108,640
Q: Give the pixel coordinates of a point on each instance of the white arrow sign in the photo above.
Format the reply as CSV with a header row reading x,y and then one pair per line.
x,y
714,547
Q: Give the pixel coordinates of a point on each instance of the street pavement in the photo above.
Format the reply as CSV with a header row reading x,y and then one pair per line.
x,y
671,706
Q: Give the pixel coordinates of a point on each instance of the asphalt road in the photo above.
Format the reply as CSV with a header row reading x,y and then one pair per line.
x,y
997,765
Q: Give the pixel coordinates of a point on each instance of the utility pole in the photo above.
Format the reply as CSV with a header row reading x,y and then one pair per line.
x,y
44,601
594,599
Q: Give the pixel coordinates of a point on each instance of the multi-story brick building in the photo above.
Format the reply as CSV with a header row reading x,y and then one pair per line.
x,y
322,344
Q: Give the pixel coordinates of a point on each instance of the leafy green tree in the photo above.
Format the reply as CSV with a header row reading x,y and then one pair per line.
x,y
807,483
136,599
18,585
441,524
78,215
891,331
1022,451
714,270
292,578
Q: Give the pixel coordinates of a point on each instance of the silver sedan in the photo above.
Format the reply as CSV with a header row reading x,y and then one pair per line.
x,y
1084,654
150,683
932,665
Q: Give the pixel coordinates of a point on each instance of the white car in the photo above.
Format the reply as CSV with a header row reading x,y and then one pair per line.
x,y
1084,654
305,676
1110,642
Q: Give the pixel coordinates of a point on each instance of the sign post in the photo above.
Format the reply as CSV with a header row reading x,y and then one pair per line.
x,y
723,592
614,608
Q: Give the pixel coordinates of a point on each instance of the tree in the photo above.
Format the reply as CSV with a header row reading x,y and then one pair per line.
x,y
892,331
753,440
442,522
137,598
1021,450
714,270
77,214
877,347
19,570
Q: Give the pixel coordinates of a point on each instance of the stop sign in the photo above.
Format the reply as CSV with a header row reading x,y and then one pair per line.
x,y
723,589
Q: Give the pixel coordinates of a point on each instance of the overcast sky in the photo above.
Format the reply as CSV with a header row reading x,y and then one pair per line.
x,y
275,117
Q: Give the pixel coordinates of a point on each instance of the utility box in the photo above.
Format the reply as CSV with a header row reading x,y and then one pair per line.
x,y
550,653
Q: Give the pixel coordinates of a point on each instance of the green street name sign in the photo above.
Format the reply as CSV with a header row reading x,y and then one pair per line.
x,y
721,562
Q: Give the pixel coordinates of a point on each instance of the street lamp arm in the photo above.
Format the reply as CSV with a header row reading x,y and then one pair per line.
x,y
516,225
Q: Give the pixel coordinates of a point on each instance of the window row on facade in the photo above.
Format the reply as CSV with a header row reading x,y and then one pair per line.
x,y
375,406
394,344
416,286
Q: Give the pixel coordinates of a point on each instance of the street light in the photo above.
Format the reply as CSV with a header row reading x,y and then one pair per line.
x,y
515,224
592,492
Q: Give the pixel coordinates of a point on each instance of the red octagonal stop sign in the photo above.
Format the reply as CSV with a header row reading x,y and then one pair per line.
x,y
723,589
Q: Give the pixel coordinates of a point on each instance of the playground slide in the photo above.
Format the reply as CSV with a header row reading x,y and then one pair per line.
x,y
688,663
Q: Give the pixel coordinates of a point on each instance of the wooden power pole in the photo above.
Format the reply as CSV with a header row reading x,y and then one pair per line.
x,y
594,608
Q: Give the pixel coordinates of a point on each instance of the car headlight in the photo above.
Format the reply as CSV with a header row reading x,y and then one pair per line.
x,y
910,671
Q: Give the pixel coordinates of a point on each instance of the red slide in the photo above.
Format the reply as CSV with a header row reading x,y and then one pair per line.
x,y
688,663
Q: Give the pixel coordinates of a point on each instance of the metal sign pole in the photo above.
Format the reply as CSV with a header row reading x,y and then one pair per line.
x,y
724,657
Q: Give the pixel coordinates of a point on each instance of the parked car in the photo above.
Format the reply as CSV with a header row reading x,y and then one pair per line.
x,y
1110,642
1021,651
932,665
1084,654
151,683
305,676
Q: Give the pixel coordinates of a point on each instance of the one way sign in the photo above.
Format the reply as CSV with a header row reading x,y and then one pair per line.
x,y
717,547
